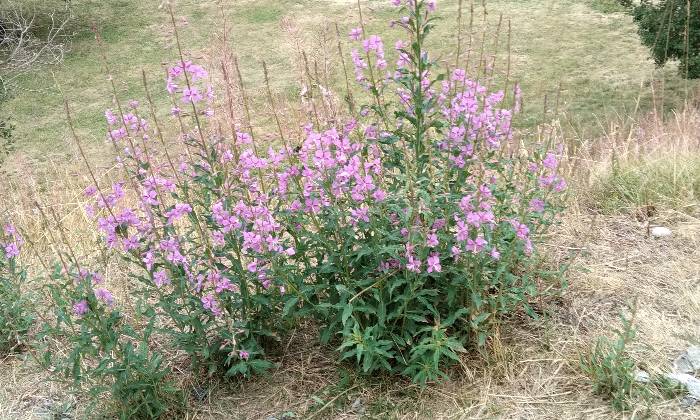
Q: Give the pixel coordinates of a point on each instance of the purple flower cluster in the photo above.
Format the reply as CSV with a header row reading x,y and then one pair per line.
x,y
187,80
13,242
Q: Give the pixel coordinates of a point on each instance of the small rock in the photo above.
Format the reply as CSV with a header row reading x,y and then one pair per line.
x,y
200,393
688,401
358,406
661,232
642,376
691,383
688,362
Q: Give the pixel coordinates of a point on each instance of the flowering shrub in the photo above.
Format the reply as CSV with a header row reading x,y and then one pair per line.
x,y
408,230
15,315
105,352
202,233
422,214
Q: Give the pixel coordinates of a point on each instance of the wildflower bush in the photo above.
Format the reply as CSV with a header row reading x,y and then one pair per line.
x,y
406,226
105,352
15,309
430,209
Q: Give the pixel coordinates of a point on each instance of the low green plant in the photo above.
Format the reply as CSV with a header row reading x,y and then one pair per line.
x,y
610,368
15,315
614,375
105,353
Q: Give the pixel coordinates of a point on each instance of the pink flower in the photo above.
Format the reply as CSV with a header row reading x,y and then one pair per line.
x,y
550,161
561,185
434,263
243,354
379,195
97,278
458,75
439,224
177,212
160,278
537,205
462,231
80,308
10,230
431,5
413,264
191,95
170,86
217,238
373,43
432,240
210,303
90,191
477,245
521,229
358,215
396,2
11,250
220,282
111,118
196,71
105,296
355,34
149,259
495,254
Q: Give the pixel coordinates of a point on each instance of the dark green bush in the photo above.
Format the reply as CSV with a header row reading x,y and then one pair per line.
x,y
662,27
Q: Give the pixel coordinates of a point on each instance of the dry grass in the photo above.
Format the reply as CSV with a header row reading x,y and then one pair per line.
x,y
644,164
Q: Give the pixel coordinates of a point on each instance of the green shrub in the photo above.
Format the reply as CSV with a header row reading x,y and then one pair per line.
x,y
662,27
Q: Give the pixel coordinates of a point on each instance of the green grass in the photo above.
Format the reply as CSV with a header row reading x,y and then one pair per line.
x,y
606,6
597,58
662,183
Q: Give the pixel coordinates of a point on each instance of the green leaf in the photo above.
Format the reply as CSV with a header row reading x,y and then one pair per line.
x,y
347,312
289,305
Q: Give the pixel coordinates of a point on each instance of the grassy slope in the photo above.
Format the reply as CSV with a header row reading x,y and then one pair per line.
x,y
595,56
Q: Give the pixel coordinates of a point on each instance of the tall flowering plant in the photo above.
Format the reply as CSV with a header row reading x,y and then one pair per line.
x,y
199,224
420,217
90,344
408,230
